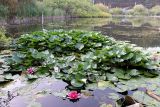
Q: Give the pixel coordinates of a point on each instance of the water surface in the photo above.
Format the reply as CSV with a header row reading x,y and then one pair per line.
x,y
143,31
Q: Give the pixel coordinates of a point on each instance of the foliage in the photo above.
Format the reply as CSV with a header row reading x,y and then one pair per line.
x,y
29,9
155,10
79,57
3,39
32,8
139,10
102,7
116,11
3,11
82,9
143,97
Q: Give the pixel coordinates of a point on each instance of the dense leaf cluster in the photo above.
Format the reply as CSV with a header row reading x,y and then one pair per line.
x,y
80,57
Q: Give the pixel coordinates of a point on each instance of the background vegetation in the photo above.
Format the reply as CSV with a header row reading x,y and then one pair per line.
x,y
30,8
3,39
137,10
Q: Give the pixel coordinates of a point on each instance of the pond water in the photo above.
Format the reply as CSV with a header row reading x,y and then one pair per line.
x,y
45,92
143,31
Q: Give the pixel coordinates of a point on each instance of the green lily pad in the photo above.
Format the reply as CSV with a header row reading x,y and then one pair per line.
x,y
79,46
76,83
144,98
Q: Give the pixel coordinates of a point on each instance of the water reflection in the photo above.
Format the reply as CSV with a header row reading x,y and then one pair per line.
x,y
142,31
52,101
43,91
18,102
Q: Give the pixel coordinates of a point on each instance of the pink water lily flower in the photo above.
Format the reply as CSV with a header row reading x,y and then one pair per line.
x,y
30,70
73,95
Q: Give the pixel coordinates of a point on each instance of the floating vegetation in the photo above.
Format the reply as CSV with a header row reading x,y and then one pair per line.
x,y
84,60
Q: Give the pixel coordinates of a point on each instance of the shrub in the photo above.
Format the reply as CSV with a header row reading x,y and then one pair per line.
x,y
140,10
76,8
3,39
155,10
102,7
116,11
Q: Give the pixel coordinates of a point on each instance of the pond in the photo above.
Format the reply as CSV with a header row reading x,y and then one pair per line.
x,y
143,31
50,92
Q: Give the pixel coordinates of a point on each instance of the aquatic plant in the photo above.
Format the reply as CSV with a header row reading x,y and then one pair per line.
x,y
30,70
80,58
73,95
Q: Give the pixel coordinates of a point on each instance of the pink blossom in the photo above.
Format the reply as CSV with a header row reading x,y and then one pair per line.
x,y
73,95
30,70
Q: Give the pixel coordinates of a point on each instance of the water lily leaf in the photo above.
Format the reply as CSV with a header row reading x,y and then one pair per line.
x,y
149,74
92,86
119,73
98,44
46,52
76,83
111,77
2,78
114,96
106,105
144,98
16,58
71,58
61,94
86,65
79,46
105,84
8,76
128,56
134,72
138,59
29,76
127,76
53,37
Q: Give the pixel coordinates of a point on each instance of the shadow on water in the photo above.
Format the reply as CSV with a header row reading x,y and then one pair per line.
x,y
142,31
